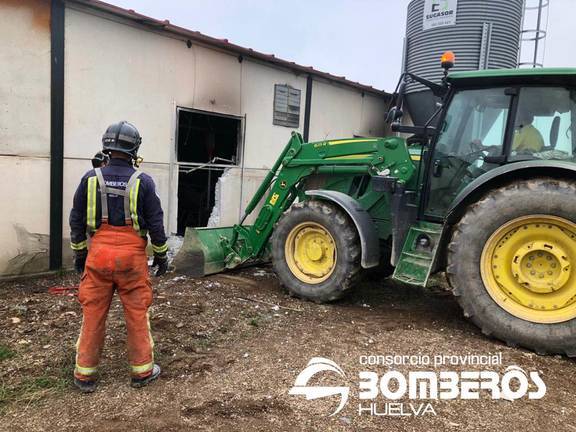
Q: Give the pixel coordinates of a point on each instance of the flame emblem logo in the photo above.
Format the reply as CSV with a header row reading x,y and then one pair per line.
x,y
315,366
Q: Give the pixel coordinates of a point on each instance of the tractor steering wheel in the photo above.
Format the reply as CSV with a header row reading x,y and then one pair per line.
x,y
479,150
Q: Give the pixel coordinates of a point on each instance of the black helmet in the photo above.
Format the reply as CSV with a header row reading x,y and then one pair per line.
x,y
122,137
100,160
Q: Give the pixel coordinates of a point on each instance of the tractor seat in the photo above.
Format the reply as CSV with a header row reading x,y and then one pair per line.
x,y
554,130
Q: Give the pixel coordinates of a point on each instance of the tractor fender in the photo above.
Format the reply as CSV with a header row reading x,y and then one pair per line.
x,y
362,220
504,174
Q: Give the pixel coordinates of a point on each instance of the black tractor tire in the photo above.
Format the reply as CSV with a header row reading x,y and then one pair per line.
x,y
347,269
537,196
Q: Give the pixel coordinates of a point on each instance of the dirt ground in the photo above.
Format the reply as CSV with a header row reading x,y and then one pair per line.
x,y
231,347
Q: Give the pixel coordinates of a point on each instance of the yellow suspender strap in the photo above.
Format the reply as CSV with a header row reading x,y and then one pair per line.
x,y
134,204
91,204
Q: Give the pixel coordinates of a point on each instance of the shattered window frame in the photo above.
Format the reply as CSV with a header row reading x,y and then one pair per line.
x,y
286,106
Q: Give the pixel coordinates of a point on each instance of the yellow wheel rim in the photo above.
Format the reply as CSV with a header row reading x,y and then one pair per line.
x,y
310,252
527,266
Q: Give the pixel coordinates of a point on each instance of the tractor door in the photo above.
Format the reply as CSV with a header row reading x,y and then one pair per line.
x,y
470,143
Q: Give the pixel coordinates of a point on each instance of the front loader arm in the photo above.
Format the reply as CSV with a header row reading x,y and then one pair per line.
x,y
373,156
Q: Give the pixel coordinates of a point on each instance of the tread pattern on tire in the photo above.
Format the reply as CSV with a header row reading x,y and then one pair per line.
x,y
464,251
348,269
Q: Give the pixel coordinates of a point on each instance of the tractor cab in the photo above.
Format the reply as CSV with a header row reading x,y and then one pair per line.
x,y
494,118
487,120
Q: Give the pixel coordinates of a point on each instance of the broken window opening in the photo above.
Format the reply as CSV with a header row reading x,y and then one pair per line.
x,y
206,144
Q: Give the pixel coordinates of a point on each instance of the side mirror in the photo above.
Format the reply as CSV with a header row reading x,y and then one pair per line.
x,y
394,114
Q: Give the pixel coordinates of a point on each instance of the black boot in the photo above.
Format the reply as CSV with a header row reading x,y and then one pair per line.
x,y
85,386
141,382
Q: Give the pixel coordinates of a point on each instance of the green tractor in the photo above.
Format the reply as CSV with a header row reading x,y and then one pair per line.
x,y
488,196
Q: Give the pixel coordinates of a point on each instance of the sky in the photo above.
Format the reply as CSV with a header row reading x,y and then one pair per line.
x,y
359,39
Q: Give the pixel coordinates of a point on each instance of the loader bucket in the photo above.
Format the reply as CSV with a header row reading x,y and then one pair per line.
x,y
202,253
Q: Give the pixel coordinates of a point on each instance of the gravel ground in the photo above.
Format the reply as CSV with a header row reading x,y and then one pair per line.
x,y
231,346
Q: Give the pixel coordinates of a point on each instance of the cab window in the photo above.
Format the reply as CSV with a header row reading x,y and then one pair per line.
x,y
474,127
543,124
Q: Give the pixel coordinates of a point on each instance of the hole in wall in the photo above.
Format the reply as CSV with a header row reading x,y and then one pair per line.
x,y
207,143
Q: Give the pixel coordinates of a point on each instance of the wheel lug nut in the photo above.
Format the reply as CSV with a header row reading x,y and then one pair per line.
x,y
548,257
531,257
541,275
549,272
528,265
532,272
539,254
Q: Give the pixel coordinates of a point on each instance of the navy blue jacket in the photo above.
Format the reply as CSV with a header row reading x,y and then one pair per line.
x,y
149,208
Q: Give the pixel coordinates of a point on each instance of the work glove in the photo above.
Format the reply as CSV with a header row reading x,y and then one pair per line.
x,y
160,261
80,260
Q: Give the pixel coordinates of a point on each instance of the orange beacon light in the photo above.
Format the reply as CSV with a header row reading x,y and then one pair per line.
x,y
448,59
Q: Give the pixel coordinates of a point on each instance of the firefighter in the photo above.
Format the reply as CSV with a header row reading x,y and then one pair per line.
x,y
117,206
526,137
100,160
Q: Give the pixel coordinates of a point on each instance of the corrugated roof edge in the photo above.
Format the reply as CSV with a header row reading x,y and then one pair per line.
x,y
222,44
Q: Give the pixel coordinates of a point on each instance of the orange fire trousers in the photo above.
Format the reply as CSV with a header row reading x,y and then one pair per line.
x,y
116,261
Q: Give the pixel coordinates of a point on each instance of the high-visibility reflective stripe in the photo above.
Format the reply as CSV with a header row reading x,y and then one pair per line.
x,y
86,370
91,204
139,369
134,205
160,249
142,368
150,334
81,369
349,141
77,345
79,246
356,156
130,201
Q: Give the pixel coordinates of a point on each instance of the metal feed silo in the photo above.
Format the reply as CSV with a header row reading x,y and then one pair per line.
x,y
484,34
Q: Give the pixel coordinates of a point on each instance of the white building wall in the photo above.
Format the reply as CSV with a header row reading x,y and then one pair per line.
x,y
341,112
264,141
24,135
25,78
116,72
